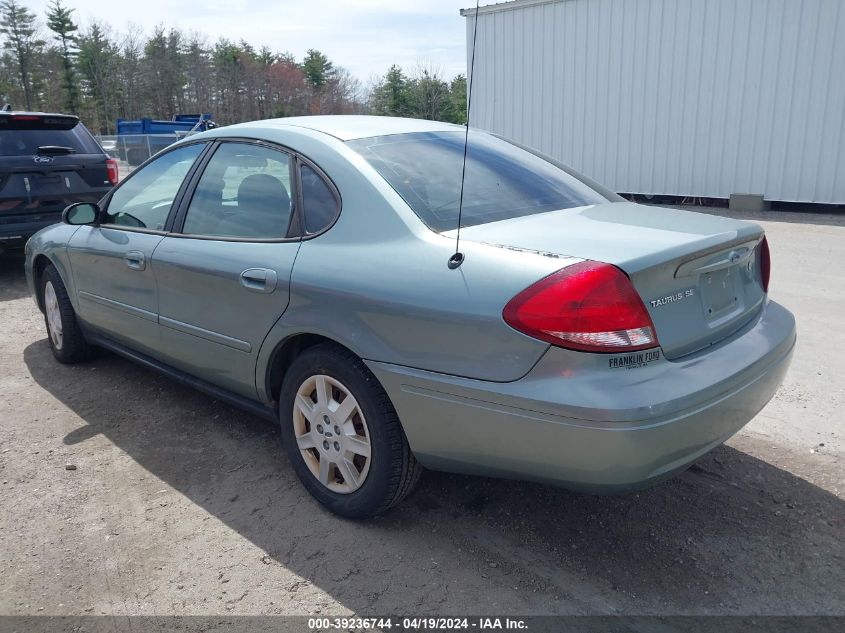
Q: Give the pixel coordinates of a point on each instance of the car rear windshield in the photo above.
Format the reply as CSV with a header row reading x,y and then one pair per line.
x,y
502,180
17,142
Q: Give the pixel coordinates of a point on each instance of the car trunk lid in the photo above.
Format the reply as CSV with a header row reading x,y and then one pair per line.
x,y
698,274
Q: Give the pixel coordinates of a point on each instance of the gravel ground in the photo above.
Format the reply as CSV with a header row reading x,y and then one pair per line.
x,y
177,504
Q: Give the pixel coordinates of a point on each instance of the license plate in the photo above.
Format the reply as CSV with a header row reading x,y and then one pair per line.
x,y
719,291
49,180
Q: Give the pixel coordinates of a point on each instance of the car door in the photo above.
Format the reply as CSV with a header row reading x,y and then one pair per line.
x,y
116,287
223,275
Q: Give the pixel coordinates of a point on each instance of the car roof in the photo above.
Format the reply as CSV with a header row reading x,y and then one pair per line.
x,y
347,127
36,113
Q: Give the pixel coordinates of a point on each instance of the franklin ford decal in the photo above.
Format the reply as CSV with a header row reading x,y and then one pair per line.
x,y
632,361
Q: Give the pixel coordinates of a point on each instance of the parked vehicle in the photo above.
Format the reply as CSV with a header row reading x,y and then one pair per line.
x,y
47,161
298,268
138,139
109,146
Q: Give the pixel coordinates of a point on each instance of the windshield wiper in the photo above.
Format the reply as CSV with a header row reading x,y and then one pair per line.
x,y
55,150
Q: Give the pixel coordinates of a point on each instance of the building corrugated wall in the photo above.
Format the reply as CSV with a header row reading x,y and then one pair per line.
x,y
681,97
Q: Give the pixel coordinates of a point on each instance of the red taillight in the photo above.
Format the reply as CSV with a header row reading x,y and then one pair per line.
x,y
111,169
589,306
25,117
765,264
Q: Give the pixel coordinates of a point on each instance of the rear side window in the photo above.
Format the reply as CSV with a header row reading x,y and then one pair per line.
x,y
319,203
502,180
244,192
143,200
17,142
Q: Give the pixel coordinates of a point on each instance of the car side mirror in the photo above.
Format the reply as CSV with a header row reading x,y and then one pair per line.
x,y
81,213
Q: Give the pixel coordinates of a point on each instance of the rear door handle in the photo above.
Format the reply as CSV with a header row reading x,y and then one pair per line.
x,y
135,260
259,280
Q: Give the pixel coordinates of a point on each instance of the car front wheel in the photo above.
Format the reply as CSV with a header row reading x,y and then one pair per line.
x,y
343,436
66,339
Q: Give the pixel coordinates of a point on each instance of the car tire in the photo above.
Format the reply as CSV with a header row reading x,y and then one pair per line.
x,y
66,340
322,461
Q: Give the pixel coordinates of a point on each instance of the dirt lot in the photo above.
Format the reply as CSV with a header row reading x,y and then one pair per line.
x,y
179,504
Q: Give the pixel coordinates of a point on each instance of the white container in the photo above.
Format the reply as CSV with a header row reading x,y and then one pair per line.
x,y
680,97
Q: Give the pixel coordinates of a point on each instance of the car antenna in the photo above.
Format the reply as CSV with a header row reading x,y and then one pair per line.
x,y
457,257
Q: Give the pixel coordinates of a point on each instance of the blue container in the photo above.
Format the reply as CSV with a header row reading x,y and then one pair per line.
x,y
145,137
179,123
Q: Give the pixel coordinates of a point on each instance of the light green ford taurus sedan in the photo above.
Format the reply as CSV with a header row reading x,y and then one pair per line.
x,y
298,268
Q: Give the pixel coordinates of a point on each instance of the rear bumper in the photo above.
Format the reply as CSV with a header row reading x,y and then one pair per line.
x,y
580,421
16,230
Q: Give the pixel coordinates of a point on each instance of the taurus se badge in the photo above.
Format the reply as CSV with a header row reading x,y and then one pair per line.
x,y
678,296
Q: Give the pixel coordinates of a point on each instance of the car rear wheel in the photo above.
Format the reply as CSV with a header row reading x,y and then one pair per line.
x,y
343,436
66,339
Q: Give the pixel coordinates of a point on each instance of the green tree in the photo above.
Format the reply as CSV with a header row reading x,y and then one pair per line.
x,y
458,94
228,80
317,68
103,74
429,95
319,74
425,95
60,21
391,96
198,70
7,79
99,63
164,63
17,24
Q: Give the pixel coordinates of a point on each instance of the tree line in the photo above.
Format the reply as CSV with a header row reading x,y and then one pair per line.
x,y
100,74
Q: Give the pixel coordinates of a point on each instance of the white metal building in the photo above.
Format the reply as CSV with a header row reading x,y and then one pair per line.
x,y
679,97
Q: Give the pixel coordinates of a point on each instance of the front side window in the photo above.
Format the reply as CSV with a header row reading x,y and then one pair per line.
x,y
244,192
143,201
502,181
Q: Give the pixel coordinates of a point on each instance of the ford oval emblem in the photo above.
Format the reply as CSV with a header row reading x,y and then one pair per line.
x,y
41,160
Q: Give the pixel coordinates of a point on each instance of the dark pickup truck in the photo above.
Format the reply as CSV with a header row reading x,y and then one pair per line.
x,y
47,161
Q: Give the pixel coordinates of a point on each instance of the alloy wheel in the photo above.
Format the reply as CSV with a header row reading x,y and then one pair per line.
x,y
54,315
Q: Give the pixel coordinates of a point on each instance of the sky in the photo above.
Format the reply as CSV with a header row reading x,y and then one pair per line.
x,y
364,36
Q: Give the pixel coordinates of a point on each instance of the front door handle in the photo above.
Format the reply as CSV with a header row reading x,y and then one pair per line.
x,y
259,280
135,260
